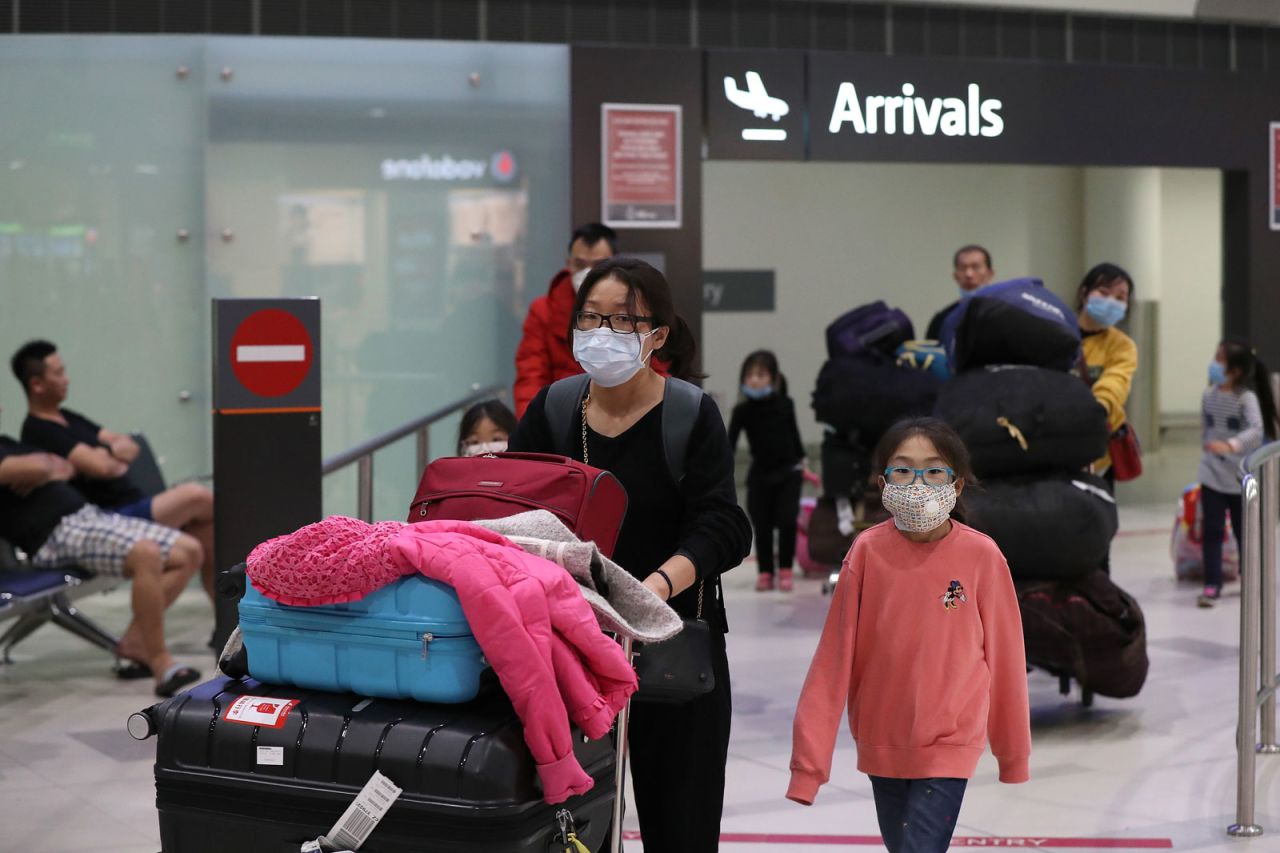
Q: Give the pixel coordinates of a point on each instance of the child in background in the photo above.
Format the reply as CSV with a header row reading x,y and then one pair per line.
x,y
923,641
485,428
768,416
1237,410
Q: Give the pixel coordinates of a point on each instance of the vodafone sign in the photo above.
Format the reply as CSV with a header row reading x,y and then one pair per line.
x,y
271,353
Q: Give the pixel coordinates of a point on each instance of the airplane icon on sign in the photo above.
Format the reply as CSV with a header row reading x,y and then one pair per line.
x,y
756,98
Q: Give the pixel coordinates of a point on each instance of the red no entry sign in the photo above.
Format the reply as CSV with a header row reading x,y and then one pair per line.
x,y
271,352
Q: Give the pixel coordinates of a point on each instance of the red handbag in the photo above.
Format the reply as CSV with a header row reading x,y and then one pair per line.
x,y
591,502
1126,454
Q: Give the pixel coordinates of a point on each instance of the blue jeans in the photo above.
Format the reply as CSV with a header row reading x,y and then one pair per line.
x,y
917,815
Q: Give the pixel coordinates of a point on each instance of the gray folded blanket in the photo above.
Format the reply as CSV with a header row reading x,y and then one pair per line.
x,y
630,609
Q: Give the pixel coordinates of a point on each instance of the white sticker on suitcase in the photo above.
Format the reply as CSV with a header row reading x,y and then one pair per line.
x,y
265,711
271,755
360,818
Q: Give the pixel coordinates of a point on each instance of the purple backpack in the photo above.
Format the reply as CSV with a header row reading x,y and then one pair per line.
x,y
874,329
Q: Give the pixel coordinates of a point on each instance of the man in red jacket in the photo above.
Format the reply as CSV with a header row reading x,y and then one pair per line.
x,y
544,354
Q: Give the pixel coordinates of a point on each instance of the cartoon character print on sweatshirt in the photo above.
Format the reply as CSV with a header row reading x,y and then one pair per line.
x,y
953,597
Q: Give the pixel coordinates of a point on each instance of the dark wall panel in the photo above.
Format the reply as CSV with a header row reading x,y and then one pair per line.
x,y
654,76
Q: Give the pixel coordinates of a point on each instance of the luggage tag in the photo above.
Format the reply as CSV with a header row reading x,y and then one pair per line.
x,y
360,818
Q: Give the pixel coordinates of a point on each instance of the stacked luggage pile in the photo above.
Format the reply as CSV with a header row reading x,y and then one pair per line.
x,y
870,380
1032,428
386,699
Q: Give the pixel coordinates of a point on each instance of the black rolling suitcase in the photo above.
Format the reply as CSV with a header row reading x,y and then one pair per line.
x,y
469,781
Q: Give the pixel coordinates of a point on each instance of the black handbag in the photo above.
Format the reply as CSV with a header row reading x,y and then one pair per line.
x,y
678,670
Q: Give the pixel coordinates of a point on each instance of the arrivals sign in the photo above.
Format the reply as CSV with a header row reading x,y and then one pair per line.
x,y
640,170
755,105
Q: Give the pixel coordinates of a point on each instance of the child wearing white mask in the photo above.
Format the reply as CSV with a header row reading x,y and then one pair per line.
x,y
923,643
485,428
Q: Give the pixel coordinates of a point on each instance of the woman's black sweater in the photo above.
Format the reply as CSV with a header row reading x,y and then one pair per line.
x,y
699,518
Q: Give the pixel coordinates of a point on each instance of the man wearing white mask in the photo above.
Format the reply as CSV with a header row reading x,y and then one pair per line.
x,y
544,354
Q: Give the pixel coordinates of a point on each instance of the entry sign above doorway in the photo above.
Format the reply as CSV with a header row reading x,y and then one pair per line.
x,y
266,355
738,290
755,105
1273,144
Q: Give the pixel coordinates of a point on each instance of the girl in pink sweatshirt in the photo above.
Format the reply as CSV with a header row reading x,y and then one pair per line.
x,y
924,643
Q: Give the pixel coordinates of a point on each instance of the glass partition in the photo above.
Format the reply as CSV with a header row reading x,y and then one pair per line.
x,y
101,147
420,189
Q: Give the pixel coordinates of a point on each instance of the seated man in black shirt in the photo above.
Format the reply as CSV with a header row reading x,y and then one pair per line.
x,y
102,457
971,269
49,520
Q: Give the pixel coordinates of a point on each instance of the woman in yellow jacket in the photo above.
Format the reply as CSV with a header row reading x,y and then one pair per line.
x,y
1110,356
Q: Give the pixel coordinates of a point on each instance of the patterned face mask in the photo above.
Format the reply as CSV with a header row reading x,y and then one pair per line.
x,y
919,508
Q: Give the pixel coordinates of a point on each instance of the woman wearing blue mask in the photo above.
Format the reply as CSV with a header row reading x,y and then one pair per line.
x,y
1237,411
768,417
1110,356
681,532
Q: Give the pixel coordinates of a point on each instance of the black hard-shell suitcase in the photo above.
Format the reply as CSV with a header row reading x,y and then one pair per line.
x,y
469,781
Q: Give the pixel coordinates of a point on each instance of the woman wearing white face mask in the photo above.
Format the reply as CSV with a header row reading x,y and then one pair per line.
x,y
678,536
1111,356
485,428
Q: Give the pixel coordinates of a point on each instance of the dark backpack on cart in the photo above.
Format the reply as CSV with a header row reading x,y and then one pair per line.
x,y
469,781
1023,420
873,328
1048,527
1088,629
1012,322
868,394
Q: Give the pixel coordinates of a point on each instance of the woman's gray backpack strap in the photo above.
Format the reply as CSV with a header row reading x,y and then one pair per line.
x,y
681,403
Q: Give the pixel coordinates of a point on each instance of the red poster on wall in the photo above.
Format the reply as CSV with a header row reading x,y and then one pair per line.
x,y
640,165
1273,143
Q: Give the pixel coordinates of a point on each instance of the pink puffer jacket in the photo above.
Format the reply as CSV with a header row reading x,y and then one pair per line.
x,y
532,623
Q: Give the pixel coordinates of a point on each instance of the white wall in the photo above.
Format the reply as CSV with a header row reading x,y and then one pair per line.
x,y
842,234
1191,284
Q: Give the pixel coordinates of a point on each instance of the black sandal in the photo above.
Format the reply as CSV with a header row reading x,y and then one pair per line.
x,y
131,670
176,678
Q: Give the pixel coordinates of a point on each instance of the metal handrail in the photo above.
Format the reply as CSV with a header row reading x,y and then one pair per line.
x,y
1260,493
362,454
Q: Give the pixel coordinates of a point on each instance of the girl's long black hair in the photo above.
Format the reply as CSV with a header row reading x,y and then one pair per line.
x,y
1242,357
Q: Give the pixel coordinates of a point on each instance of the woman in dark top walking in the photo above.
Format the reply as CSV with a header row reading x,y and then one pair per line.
x,y
776,476
677,536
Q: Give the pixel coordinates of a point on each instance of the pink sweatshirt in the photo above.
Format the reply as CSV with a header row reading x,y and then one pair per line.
x,y
924,644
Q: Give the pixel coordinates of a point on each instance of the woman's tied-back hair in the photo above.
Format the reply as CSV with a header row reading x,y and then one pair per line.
x,y
1243,357
944,438
644,282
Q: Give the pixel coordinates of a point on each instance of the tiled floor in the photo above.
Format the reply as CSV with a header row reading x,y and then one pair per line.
x,y
1160,766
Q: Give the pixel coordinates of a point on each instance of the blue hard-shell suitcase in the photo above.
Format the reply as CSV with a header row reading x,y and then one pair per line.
x,y
408,640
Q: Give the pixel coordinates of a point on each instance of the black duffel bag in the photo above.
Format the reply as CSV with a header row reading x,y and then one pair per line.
x,y
1049,528
868,395
1088,628
1023,420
